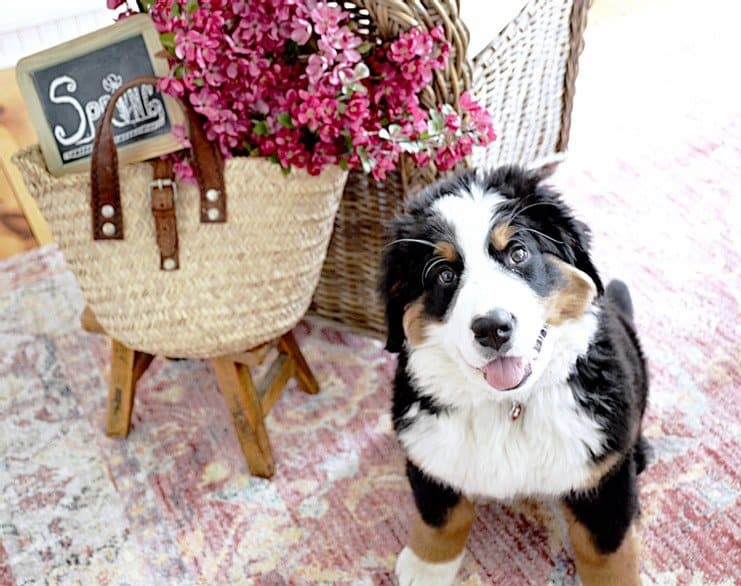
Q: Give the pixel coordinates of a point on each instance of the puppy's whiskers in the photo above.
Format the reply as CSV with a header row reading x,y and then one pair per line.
x,y
541,233
516,212
413,240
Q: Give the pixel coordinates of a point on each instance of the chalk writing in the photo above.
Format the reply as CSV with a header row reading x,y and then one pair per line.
x,y
139,110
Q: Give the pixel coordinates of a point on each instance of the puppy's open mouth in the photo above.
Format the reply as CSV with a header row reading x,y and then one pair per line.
x,y
506,373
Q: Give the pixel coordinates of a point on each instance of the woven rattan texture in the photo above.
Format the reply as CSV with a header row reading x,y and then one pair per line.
x,y
525,77
240,283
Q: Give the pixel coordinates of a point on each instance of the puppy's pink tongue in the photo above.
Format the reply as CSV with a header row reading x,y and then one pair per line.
x,y
506,373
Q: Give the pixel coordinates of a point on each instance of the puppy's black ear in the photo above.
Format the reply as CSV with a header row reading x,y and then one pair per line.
x,y
571,240
392,289
580,238
401,281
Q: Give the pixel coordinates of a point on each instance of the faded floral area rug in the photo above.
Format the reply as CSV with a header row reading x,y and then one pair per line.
x,y
656,175
175,504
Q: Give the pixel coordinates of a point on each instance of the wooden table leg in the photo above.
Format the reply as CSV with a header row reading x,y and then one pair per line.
x,y
304,376
238,389
127,367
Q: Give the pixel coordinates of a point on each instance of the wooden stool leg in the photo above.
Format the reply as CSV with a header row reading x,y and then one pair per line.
x,y
304,376
235,382
127,367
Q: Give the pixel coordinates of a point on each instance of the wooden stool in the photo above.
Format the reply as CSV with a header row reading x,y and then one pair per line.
x,y
248,404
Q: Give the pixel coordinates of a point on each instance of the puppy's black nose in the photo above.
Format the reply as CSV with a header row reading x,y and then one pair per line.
x,y
494,329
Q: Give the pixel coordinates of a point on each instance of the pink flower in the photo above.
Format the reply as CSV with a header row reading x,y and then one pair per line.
x,y
464,147
300,31
446,159
421,159
307,112
180,134
232,70
343,43
171,86
326,18
453,122
419,118
206,102
286,79
125,14
182,169
468,103
438,34
316,67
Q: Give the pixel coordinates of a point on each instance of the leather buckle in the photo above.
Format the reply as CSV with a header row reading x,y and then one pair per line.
x,y
161,184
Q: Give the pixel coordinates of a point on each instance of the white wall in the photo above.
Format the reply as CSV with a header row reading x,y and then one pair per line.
x,y
34,25
28,26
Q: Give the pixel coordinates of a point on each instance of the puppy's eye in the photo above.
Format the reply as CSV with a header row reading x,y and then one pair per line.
x,y
446,277
518,255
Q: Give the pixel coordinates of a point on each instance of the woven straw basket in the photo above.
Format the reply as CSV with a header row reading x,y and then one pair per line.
x,y
524,77
240,283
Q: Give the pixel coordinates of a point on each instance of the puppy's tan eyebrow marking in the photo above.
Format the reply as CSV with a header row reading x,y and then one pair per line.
x,y
501,235
446,250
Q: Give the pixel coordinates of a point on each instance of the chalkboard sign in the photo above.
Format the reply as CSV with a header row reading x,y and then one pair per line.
x,y
66,90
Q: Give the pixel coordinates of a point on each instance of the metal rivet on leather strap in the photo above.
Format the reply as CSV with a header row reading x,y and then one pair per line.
x,y
168,264
212,195
109,229
107,211
213,214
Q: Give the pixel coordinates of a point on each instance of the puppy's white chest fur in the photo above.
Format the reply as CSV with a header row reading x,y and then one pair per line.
x,y
483,453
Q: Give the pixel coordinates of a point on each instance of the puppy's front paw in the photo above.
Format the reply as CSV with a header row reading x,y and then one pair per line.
x,y
414,571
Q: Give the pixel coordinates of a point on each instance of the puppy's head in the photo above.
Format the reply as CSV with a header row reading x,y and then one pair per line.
x,y
480,270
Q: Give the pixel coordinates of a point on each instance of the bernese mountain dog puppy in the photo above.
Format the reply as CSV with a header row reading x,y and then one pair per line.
x,y
518,374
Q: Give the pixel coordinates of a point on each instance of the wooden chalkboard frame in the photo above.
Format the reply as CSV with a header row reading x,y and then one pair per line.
x,y
146,148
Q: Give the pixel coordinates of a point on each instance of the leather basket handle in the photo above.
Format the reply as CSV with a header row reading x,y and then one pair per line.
x,y
105,202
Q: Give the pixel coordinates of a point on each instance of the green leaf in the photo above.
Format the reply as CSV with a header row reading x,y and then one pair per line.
x,y
365,161
436,123
191,6
411,147
147,4
168,41
260,128
180,71
199,81
274,159
344,165
364,47
175,10
285,120
292,47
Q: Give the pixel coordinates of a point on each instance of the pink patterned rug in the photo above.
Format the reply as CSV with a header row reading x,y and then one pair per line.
x,y
174,503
